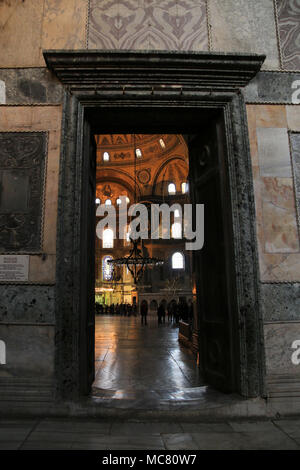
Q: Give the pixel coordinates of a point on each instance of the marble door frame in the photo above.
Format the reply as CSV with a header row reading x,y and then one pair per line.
x,y
123,80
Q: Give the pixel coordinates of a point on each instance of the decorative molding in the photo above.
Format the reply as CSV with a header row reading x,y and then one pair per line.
x,y
85,72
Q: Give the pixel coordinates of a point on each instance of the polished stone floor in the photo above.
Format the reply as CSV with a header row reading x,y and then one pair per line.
x,y
131,357
45,434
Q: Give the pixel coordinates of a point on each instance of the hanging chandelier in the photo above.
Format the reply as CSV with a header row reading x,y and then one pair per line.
x,y
136,262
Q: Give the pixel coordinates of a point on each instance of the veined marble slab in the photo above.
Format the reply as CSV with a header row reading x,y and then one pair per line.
x,y
273,152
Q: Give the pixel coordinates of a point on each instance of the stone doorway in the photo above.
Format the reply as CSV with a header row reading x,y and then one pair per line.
x,y
148,92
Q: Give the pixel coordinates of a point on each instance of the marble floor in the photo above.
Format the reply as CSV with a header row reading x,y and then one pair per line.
x,y
133,358
52,434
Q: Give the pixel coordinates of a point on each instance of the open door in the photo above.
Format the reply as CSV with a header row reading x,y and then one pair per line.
x,y
87,263
214,264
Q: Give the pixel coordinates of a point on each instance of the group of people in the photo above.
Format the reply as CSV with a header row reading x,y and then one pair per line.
x,y
123,309
175,311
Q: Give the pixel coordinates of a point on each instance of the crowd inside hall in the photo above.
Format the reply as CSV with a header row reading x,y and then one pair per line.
x,y
172,311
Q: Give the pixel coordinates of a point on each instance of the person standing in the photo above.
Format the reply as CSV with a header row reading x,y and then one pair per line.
x,y
161,313
144,312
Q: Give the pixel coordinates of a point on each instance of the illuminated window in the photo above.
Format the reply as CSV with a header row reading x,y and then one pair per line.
x,y
108,238
162,144
107,268
176,230
105,156
118,201
97,201
127,236
127,199
176,213
184,187
138,153
177,261
171,188
108,202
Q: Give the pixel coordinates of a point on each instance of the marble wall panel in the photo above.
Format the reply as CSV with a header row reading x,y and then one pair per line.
x,y
289,32
21,29
293,117
277,267
41,118
29,351
148,25
280,302
275,87
42,269
243,26
279,338
273,152
2,92
27,304
31,85
64,24
270,116
295,149
279,216
278,238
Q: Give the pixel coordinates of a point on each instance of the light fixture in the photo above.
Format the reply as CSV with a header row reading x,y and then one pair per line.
x,y
135,262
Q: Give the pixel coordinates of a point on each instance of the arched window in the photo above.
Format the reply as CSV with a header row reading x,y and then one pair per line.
x,y
108,202
171,188
162,143
118,201
127,236
106,157
108,238
176,230
138,153
184,187
107,269
97,201
177,260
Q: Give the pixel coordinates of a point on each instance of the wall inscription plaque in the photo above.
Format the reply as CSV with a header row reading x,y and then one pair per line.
x,y
14,268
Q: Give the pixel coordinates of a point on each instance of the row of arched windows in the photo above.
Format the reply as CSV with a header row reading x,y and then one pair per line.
x,y
108,235
171,191
108,202
106,155
138,152
172,188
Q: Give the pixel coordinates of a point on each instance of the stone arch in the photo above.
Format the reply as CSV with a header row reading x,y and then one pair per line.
x,y
181,174
153,304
